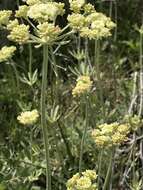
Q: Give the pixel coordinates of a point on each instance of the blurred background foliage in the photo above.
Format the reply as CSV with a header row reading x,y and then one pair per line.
x,y
22,165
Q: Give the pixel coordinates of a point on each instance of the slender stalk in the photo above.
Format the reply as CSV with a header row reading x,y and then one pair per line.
x,y
30,59
97,59
141,76
134,96
134,155
116,21
109,172
43,116
63,135
141,92
87,59
83,136
99,167
110,9
16,75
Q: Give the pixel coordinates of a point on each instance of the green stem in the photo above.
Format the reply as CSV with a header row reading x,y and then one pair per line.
x,y
16,75
30,59
99,84
99,167
63,135
110,9
43,116
109,172
83,136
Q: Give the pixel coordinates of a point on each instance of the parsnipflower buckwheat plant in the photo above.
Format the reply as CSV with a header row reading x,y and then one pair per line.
x,y
83,86
108,135
28,117
84,181
35,22
135,122
91,24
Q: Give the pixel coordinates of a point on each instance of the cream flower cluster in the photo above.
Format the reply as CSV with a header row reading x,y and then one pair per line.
x,y
47,32
22,11
28,117
83,86
76,5
6,53
110,134
84,181
43,12
91,24
135,122
19,33
4,17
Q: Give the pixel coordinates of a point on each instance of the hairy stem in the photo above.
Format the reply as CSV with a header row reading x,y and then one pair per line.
x,y
109,172
83,136
99,167
43,116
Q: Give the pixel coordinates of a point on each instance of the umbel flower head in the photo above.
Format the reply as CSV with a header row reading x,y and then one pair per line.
x,y
107,135
135,122
77,21
47,33
83,86
43,12
76,5
12,24
22,11
19,33
83,181
6,53
92,24
28,117
4,17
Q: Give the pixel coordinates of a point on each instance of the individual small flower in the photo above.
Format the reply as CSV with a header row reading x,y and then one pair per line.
x,y
12,24
46,11
28,117
83,86
4,17
76,5
107,135
22,11
83,181
48,32
6,53
19,34
76,21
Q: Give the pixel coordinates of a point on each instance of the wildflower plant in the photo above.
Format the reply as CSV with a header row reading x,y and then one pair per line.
x,y
83,181
91,24
108,135
83,86
35,24
28,117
